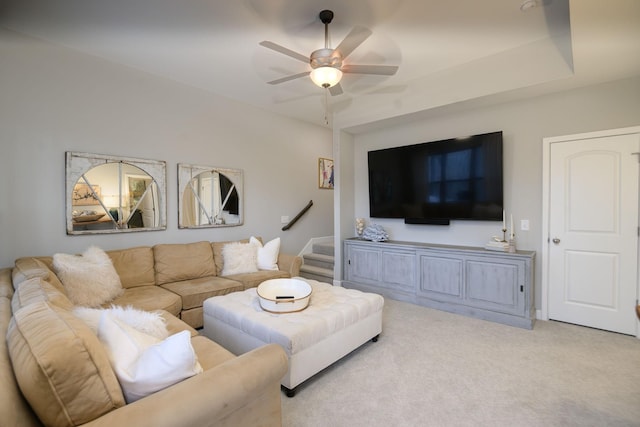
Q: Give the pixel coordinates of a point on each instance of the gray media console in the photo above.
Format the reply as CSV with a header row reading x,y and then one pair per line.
x,y
489,285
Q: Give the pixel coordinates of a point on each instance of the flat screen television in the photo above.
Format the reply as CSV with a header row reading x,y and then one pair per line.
x,y
435,182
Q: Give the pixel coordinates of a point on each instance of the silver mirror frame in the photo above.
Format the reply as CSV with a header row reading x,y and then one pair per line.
x,y
78,163
187,172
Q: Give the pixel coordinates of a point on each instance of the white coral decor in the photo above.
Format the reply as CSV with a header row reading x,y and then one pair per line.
x,y
375,233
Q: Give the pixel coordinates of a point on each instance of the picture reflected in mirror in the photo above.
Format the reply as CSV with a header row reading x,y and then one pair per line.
x,y
114,194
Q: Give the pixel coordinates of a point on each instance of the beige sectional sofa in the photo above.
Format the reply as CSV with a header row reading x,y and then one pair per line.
x,y
174,277
54,370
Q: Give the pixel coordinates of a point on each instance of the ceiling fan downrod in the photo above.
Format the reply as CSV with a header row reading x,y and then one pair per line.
x,y
326,57
326,16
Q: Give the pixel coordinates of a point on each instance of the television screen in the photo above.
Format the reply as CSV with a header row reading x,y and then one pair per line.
x,y
458,178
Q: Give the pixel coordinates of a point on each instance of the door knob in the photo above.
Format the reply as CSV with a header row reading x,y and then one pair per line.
x,y
556,240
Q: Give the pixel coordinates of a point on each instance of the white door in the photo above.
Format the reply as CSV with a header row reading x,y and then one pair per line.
x,y
593,231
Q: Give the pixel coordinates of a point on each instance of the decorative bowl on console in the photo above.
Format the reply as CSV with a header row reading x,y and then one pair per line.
x,y
86,217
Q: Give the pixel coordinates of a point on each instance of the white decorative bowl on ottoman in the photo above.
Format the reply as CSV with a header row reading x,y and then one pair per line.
x,y
284,295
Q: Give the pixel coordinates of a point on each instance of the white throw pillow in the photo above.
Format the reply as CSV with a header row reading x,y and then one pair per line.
x,y
147,322
89,279
238,258
144,364
267,254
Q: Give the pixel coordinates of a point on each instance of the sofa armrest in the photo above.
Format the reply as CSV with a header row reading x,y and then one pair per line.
x,y
290,263
6,287
175,325
242,391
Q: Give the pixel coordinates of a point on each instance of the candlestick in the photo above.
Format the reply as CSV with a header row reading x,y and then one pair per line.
x,y
512,230
504,223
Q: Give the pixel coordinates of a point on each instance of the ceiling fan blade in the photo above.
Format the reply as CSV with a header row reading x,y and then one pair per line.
x,y
335,90
383,70
286,79
284,50
353,40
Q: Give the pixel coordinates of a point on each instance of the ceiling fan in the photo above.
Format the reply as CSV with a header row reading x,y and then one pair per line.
x,y
327,65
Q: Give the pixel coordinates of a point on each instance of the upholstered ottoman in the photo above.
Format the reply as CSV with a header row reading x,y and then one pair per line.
x,y
336,322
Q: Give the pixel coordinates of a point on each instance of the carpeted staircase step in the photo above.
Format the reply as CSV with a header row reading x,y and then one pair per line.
x,y
319,260
323,248
317,273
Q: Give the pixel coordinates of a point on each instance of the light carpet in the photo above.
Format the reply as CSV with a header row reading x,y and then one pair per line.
x,y
432,368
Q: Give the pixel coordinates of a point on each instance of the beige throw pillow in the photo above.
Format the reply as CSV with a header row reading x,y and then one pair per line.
x,y
89,279
239,258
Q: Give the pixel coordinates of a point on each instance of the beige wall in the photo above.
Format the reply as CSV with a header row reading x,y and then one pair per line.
x,y
524,124
53,100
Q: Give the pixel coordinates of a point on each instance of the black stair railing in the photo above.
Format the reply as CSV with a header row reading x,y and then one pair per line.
x,y
297,217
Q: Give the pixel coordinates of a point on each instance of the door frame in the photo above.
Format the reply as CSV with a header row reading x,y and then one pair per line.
x,y
543,314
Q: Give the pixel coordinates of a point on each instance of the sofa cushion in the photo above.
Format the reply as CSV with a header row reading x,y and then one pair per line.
x,y
194,292
193,317
217,253
251,280
210,353
36,290
135,266
175,325
29,267
183,261
89,279
239,258
149,298
146,364
61,366
14,408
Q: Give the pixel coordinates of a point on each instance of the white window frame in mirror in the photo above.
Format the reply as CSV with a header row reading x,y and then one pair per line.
x,y
78,164
186,173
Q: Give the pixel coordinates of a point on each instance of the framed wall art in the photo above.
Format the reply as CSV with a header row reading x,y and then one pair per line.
x,y
325,173
83,195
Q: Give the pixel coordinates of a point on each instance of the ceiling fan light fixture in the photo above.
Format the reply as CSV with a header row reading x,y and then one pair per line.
x,y
326,77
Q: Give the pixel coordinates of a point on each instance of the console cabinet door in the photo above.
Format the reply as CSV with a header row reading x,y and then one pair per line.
x,y
389,268
441,277
363,264
495,284
399,270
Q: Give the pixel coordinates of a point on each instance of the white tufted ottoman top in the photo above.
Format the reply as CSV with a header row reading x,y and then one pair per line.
x,y
331,308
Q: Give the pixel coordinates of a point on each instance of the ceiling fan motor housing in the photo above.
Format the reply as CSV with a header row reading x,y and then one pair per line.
x,y
326,16
325,58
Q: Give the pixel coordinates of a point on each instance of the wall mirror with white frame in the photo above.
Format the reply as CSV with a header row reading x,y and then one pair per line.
x,y
109,194
209,196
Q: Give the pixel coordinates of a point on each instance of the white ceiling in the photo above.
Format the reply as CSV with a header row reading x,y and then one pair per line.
x,y
447,51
